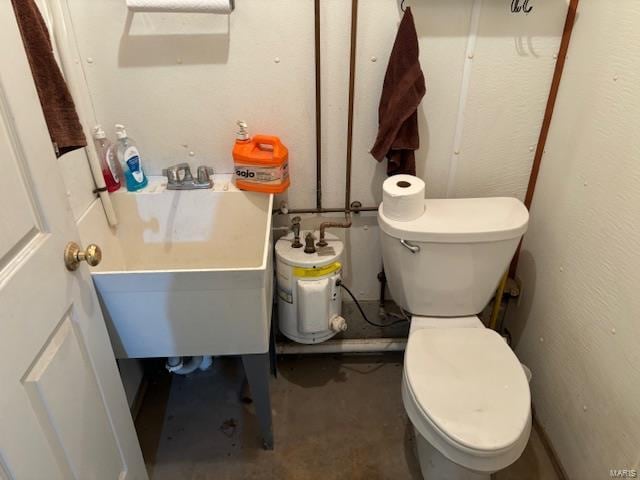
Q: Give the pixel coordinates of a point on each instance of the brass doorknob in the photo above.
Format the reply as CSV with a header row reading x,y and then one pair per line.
x,y
73,255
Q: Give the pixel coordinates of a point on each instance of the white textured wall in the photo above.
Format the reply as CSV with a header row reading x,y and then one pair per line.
x,y
510,74
179,83
510,77
75,165
578,322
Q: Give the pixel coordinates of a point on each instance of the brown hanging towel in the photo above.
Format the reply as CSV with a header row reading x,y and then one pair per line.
x,y
59,111
402,90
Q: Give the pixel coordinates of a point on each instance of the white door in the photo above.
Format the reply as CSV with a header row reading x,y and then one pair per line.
x,y
63,413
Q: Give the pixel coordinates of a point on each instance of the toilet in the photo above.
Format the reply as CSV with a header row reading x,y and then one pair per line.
x,y
463,388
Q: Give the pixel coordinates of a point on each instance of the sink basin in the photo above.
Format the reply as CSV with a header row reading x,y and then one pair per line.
x,y
185,272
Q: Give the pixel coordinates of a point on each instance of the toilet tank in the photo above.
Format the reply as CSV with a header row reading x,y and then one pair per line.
x,y
449,261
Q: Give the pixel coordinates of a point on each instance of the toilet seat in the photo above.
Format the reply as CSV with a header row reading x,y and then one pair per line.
x,y
466,393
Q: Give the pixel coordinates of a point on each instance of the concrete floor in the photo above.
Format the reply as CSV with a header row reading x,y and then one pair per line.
x,y
334,418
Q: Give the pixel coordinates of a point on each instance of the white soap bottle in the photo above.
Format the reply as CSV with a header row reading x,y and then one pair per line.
x,y
109,164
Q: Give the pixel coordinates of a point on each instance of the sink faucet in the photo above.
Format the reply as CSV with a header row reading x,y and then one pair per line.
x,y
179,177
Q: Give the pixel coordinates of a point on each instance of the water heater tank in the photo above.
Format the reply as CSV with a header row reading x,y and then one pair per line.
x,y
309,298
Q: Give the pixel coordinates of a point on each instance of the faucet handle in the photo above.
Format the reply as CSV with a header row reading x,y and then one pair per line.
x,y
171,173
204,174
187,173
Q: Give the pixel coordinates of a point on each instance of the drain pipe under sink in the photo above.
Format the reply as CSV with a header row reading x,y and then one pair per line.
x,y
178,366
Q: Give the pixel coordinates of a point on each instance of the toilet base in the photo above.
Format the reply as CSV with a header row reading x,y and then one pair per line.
x,y
435,466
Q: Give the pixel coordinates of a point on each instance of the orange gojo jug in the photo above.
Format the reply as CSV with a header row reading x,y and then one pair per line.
x,y
261,162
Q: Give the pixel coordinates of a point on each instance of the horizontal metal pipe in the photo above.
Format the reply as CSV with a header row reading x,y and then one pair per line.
x,y
297,211
356,345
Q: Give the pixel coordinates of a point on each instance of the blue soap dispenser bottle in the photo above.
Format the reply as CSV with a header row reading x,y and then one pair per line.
x,y
130,159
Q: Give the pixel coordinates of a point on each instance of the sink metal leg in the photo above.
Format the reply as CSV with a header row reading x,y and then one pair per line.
x,y
256,367
272,344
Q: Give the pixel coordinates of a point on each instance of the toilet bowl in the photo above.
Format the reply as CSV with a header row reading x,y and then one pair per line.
x,y
463,388
468,399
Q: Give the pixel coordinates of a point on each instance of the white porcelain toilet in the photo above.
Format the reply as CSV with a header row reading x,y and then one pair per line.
x,y
463,388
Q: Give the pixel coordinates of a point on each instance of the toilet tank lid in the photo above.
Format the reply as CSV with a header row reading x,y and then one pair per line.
x,y
461,220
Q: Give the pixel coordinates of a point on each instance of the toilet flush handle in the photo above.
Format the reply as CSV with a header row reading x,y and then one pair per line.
x,y
411,248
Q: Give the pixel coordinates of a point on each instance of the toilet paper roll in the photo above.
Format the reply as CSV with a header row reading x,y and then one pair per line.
x,y
403,198
186,6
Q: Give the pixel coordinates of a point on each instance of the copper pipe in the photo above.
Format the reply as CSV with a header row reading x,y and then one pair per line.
x,y
318,107
324,225
352,67
551,101
298,211
352,81
548,115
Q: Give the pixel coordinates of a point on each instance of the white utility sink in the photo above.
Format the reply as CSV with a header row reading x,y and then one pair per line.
x,y
185,272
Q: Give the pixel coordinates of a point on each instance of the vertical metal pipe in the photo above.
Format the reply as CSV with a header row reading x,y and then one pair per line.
x,y
352,70
551,101
318,107
569,23
352,80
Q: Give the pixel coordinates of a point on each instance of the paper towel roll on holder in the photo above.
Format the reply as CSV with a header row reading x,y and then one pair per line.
x,y
224,7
